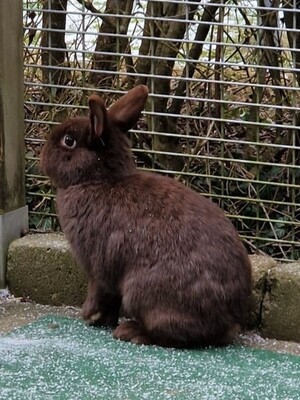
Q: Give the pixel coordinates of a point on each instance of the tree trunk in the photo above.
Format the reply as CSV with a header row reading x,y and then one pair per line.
x,y
165,52
195,52
54,57
112,39
272,57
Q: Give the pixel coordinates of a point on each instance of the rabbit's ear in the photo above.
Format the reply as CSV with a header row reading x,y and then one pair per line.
x,y
97,115
126,111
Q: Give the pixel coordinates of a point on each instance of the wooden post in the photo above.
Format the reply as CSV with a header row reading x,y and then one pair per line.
x,y
13,211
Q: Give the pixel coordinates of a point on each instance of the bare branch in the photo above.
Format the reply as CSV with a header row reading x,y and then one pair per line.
x,y
88,4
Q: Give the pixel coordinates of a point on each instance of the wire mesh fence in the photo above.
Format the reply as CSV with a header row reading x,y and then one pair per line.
x,y
223,112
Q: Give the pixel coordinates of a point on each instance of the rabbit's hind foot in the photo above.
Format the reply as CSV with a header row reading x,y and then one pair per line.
x,y
230,336
131,331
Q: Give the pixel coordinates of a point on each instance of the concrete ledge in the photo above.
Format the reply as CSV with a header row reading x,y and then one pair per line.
x,y
281,305
261,267
41,267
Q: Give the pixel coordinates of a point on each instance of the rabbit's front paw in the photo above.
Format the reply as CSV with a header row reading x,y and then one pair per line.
x,y
90,312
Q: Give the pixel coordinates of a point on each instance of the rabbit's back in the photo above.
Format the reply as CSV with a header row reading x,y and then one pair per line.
x,y
168,216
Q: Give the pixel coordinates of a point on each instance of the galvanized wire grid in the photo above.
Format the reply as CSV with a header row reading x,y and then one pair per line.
x,y
223,111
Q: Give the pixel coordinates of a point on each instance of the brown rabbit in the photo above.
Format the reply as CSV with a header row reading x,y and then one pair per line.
x,y
147,243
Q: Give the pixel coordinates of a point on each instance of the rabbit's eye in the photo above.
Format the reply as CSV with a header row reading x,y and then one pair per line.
x,y
69,141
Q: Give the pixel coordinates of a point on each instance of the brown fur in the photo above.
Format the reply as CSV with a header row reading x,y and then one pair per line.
x,y
146,242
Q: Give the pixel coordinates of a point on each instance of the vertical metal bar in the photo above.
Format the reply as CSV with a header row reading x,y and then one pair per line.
x,y
255,129
187,86
152,71
294,141
84,64
220,94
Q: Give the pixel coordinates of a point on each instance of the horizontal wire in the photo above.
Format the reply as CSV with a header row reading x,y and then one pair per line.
x,y
186,3
216,158
270,240
178,40
233,198
192,117
153,95
212,158
173,19
188,98
224,178
182,58
269,220
252,238
192,137
149,76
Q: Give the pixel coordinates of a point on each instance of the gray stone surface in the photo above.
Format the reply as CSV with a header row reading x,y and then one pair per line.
x,y
281,305
42,268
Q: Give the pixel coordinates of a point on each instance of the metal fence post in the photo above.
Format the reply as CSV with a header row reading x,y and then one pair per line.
x,y
13,211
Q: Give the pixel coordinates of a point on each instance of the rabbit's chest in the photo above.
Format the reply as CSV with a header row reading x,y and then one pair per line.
x,y
79,219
